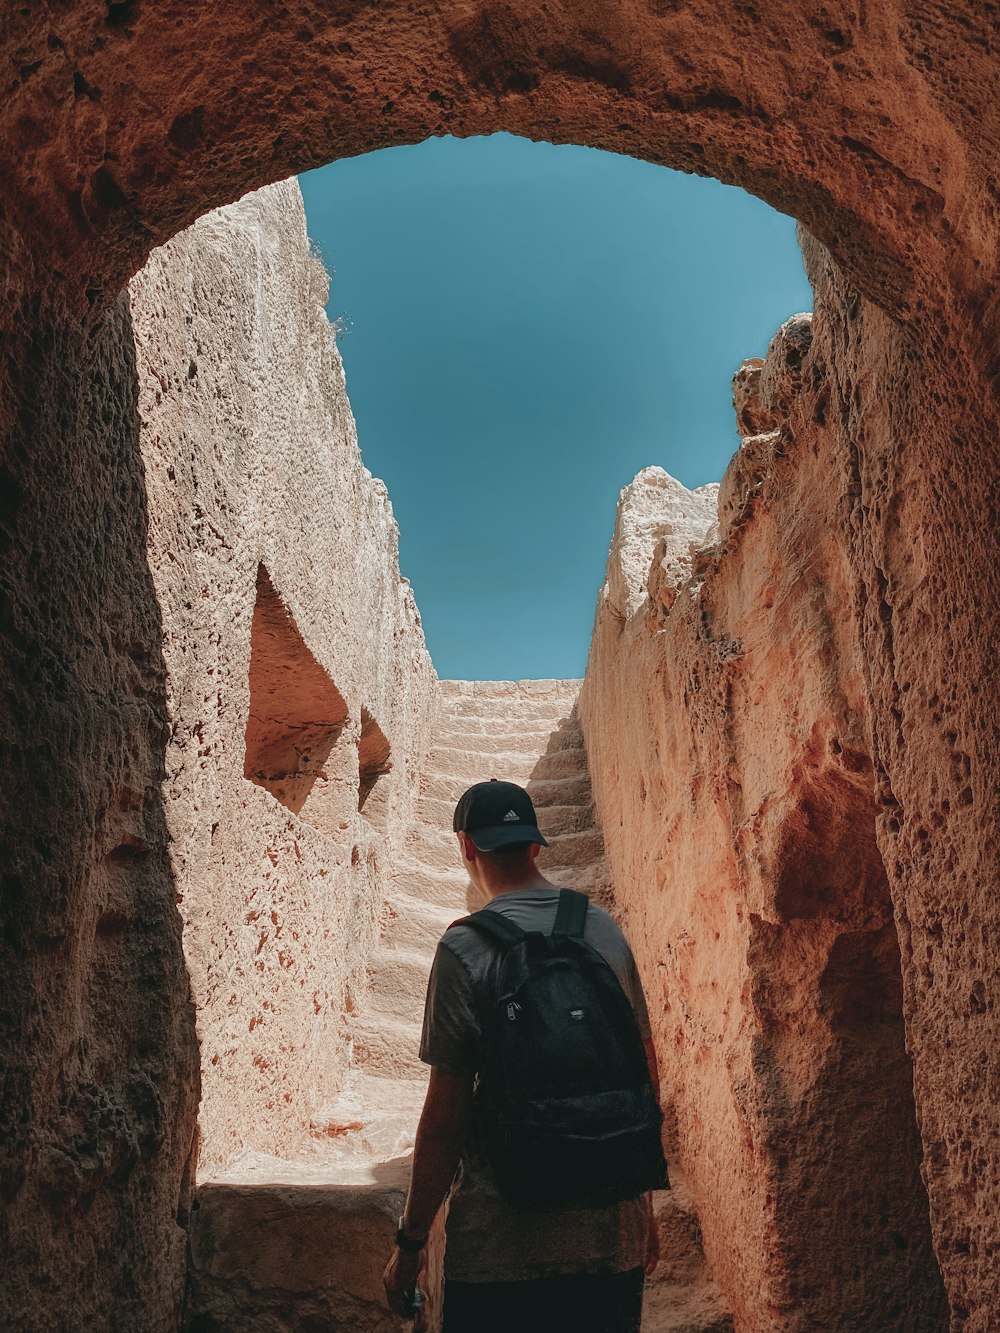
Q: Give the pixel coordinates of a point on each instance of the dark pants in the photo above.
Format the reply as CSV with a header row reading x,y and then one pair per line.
x,y
578,1303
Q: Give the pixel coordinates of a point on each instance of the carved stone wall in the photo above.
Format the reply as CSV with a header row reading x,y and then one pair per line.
x,y
299,688
98,1060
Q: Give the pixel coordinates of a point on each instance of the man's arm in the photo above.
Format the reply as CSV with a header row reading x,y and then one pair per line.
x,y
654,1072
652,1233
444,1124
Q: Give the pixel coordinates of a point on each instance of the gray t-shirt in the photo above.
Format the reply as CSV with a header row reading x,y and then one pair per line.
x,y
487,1240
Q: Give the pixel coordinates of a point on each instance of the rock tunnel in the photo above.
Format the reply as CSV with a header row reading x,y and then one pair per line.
x,y
789,730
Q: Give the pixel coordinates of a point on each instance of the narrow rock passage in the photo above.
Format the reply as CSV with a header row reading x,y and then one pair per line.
x,y
333,1215
526,732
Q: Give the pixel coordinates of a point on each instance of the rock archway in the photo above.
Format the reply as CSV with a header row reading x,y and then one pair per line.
x,y
124,124
121,123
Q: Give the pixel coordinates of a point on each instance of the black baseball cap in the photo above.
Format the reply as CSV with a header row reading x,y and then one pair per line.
x,y
495,814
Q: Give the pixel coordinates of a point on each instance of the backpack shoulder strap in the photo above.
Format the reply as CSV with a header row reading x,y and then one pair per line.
x,y
495,926
571,914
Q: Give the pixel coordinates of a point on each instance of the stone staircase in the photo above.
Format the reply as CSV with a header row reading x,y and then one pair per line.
x,y
521,731
526,732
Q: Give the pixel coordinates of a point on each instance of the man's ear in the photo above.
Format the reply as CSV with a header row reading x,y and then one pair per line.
x,y
533,849
467,846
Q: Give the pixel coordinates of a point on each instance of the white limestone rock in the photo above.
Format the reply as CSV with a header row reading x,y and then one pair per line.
x,y
660,521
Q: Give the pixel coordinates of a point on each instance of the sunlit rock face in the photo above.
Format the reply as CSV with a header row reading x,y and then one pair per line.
x,y
299,689
242,694
725,715
655,514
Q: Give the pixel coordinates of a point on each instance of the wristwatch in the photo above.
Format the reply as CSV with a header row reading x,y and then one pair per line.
x,y
407,1243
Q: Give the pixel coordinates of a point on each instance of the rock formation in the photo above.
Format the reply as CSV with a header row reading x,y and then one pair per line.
x,y
725,715
877,127
299,689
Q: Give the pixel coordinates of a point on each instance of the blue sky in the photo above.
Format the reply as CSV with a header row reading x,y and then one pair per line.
x,y
529,325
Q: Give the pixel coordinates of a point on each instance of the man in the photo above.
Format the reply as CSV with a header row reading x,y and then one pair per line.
x,y
505,1269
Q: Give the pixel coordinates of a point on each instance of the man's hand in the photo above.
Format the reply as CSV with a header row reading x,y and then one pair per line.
x,y
441,1132
400,1278
652,1239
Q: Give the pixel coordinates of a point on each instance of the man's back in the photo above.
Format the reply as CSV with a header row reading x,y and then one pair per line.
x,y
488,1240
505,1268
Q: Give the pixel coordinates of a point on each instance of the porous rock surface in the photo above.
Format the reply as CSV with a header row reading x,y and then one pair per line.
x,y
290,642
137,118
656,513
725,718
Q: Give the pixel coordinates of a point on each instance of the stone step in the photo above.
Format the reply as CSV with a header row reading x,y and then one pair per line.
x,y
591,879
461,771
544,791
570,762
372,1117
487,729
512,742
375,1137
437,814
556,820
495,751
435,848
397,979
443,886
572,790
416,924
539,710
574,849
521,689
292,1245
386,1045
468,766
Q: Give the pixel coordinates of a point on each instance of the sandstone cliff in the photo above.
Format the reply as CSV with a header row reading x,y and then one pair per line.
x,y
724,711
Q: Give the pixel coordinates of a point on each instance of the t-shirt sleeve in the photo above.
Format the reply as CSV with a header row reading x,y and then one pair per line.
x,y
450,1037
607,937
637,996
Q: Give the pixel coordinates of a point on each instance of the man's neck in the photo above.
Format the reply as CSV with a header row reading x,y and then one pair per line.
x,y
534,880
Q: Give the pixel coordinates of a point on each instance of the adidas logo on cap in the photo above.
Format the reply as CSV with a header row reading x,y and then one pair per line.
x,y
497,814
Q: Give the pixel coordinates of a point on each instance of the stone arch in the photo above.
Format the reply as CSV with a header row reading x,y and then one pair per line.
x,y
149,115
875,126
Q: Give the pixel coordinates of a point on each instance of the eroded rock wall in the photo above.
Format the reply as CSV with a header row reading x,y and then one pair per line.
x,y
299,689
921,517
98,1060
212,663
726,713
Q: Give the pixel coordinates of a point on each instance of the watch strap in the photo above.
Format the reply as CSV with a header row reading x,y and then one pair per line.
x,y
407,1243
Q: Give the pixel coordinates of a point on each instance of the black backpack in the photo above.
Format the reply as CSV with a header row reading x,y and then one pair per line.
x,y
563,1094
